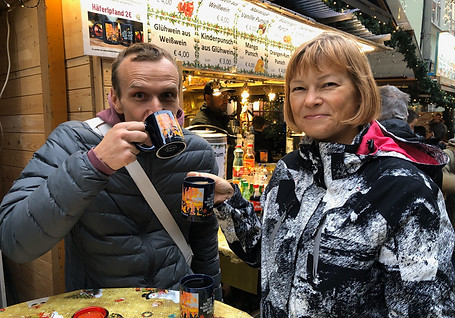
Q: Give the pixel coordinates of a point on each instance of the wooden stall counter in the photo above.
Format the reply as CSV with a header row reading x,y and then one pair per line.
x,y
234,271
119,302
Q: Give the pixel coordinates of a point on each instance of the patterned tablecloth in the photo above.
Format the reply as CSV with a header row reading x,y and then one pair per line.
x,y
120,302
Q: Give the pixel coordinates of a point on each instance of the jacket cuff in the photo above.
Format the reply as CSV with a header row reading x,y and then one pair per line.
x,y
98,163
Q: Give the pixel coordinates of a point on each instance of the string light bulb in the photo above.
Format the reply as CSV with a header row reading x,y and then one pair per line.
x,y
245,94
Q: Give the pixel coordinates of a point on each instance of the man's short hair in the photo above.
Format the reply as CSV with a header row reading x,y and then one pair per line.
x,y
141,52
212,85
394,103
258,122
412,115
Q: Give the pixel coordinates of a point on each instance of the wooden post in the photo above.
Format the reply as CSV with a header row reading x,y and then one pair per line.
x,y
53,78
52,54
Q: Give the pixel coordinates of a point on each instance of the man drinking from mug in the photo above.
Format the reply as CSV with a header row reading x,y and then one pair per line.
x,y
76,188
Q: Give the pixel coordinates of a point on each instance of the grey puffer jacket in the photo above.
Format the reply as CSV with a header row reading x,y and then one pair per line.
x,y
350,231
112,237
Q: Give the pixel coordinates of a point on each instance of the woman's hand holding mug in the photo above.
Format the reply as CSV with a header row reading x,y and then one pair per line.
x,y
223,189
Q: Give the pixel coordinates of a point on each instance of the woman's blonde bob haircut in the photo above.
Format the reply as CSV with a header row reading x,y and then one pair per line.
x,y
339,52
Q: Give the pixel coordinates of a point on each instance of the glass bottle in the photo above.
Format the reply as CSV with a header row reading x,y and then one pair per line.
x,y
248,160
237,164
255,199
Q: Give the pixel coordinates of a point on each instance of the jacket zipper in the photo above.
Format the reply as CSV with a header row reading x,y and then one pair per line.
x,y
317,245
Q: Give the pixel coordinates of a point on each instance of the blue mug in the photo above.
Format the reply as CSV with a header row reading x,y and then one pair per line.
x,y
165,133
198,195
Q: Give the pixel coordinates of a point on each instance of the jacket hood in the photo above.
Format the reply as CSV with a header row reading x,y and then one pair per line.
x,y
401,129
376,140
373,141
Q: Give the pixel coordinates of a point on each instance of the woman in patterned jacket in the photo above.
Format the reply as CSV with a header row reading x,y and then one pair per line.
x,y
352,224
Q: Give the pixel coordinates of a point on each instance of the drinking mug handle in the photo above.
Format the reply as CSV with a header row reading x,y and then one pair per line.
x,y
144,148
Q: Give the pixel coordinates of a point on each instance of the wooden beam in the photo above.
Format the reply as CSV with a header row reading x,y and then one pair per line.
x,y
97,84
52,54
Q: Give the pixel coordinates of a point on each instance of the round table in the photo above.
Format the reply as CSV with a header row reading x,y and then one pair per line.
x,y
120,302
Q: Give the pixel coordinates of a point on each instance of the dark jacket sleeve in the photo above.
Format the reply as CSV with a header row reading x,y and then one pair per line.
x,y
49,196
241,227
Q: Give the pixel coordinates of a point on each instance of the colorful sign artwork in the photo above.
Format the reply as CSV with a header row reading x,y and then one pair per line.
x,y
193,201
168,126
189,304
110,26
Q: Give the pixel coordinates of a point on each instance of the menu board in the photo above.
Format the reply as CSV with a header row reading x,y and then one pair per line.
x,y
171,25
233,36
284,36
251,29
217,45
280,45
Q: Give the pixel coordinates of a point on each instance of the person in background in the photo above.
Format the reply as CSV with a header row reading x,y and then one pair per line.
x,y
413,118
213,113
351,227
394,111
448,180
262,146
394,114
76,188
421,131
439,131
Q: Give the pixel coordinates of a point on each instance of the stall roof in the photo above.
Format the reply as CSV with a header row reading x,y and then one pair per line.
x,y
387,64
318,14
345,21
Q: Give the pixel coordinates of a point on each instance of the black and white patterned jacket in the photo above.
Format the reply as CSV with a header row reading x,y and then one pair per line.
x,y
350,231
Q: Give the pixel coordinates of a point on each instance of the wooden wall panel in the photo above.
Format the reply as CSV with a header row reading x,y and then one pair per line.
x,y
77,61
21,141
23,39
107,72
31,279
80,90
14,158
8,175
72,26
32,104
107,82
23,123
23,73
81,116
79,77
80,100
27,110
28,85
52,54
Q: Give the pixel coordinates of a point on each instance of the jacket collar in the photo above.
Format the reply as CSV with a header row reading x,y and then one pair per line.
x,y
372,141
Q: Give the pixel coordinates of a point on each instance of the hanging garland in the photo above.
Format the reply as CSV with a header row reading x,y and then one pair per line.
x,y
401,41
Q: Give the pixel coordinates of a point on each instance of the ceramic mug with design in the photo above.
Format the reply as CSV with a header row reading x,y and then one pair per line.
x,y
198,194
165,133
196,296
